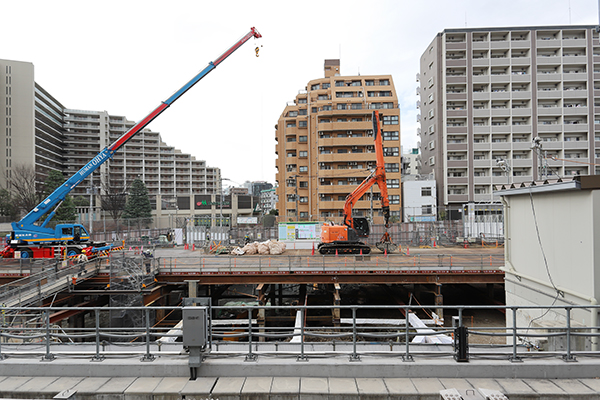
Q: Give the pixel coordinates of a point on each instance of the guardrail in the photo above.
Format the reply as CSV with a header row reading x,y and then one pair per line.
x,y
373,262
29,332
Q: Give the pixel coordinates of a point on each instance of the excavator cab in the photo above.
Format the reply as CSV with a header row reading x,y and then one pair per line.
x,y
362,227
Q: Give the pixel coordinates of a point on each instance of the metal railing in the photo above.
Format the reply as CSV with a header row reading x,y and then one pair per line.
x,y
33,332
372,262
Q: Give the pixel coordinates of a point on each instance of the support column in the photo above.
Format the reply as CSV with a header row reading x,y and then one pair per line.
x,y
337,300
439,300
261,318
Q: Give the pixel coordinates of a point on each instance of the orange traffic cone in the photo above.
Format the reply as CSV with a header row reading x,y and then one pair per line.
x,y
194,247
385,252
407,251
336,253
361,252
313,249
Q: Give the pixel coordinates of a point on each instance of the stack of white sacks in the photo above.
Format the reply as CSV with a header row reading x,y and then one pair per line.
x,y
272,247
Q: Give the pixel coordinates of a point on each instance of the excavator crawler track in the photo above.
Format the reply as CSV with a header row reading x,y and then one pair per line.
x,y
344,248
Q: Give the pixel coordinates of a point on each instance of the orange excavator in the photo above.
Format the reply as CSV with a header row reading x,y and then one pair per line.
x,y
345,238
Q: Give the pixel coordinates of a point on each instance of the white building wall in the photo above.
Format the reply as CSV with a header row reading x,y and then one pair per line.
x,y
413,201
552,255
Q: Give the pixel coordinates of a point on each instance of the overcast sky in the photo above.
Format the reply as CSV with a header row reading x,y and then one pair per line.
x,y
126,57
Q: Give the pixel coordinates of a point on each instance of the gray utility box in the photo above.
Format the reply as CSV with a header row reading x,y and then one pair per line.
x,y
195,326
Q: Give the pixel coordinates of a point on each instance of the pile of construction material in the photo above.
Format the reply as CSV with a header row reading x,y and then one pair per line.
x,y
272,247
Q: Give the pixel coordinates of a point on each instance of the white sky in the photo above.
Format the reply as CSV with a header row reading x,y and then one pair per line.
x,y
127,56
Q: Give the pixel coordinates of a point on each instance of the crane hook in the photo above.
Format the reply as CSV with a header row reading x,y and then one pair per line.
x,y
256,50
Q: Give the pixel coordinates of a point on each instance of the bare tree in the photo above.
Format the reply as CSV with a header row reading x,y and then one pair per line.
x,y
113,201
21,183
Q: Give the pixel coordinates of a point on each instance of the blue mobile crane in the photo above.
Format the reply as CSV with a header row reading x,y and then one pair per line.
x,y
33,240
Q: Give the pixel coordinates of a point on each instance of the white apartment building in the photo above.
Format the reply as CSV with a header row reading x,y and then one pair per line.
x,y
37,130
419,202
487,94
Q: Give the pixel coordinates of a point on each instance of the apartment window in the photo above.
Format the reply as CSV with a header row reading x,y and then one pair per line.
x,y
391,135
431,129
302,101
384,82
303,169
432,145
431,98
303,200
394,199
326,85
432,160
426,209
303,184
341,106
393,183
392,167
430,82
342,151
390,151
390,120
430,113
356,106
315,87
370,83
304,111
291,154
302,124
293,114
339,83
425,191
303,139
303,154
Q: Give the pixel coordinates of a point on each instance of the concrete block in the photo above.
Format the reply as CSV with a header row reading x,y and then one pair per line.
x,y
428,388
545,387
343,388
60,384
456,383
371,388
228,388
314,389
116,385
515,388
575,388
256,387
200,388
141,389
169,388
401,388
88,388
9,385
285,388
593,384
33,386
484,383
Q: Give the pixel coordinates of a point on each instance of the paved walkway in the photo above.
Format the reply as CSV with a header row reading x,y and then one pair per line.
x,y
280,388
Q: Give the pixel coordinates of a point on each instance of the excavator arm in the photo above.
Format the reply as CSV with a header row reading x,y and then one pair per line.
x,y
375,177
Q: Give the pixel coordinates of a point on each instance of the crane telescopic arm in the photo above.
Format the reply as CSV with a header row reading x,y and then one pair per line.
x,y
375,177
56,198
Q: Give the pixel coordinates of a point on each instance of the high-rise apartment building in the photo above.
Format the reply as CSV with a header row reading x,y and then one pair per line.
x,y
31,123
490,94
325,145
37,130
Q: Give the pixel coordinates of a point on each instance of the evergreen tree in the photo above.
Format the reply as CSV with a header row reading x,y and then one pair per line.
x,y
138,206
66,211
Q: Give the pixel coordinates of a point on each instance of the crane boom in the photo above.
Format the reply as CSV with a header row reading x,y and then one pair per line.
x,y
26,230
